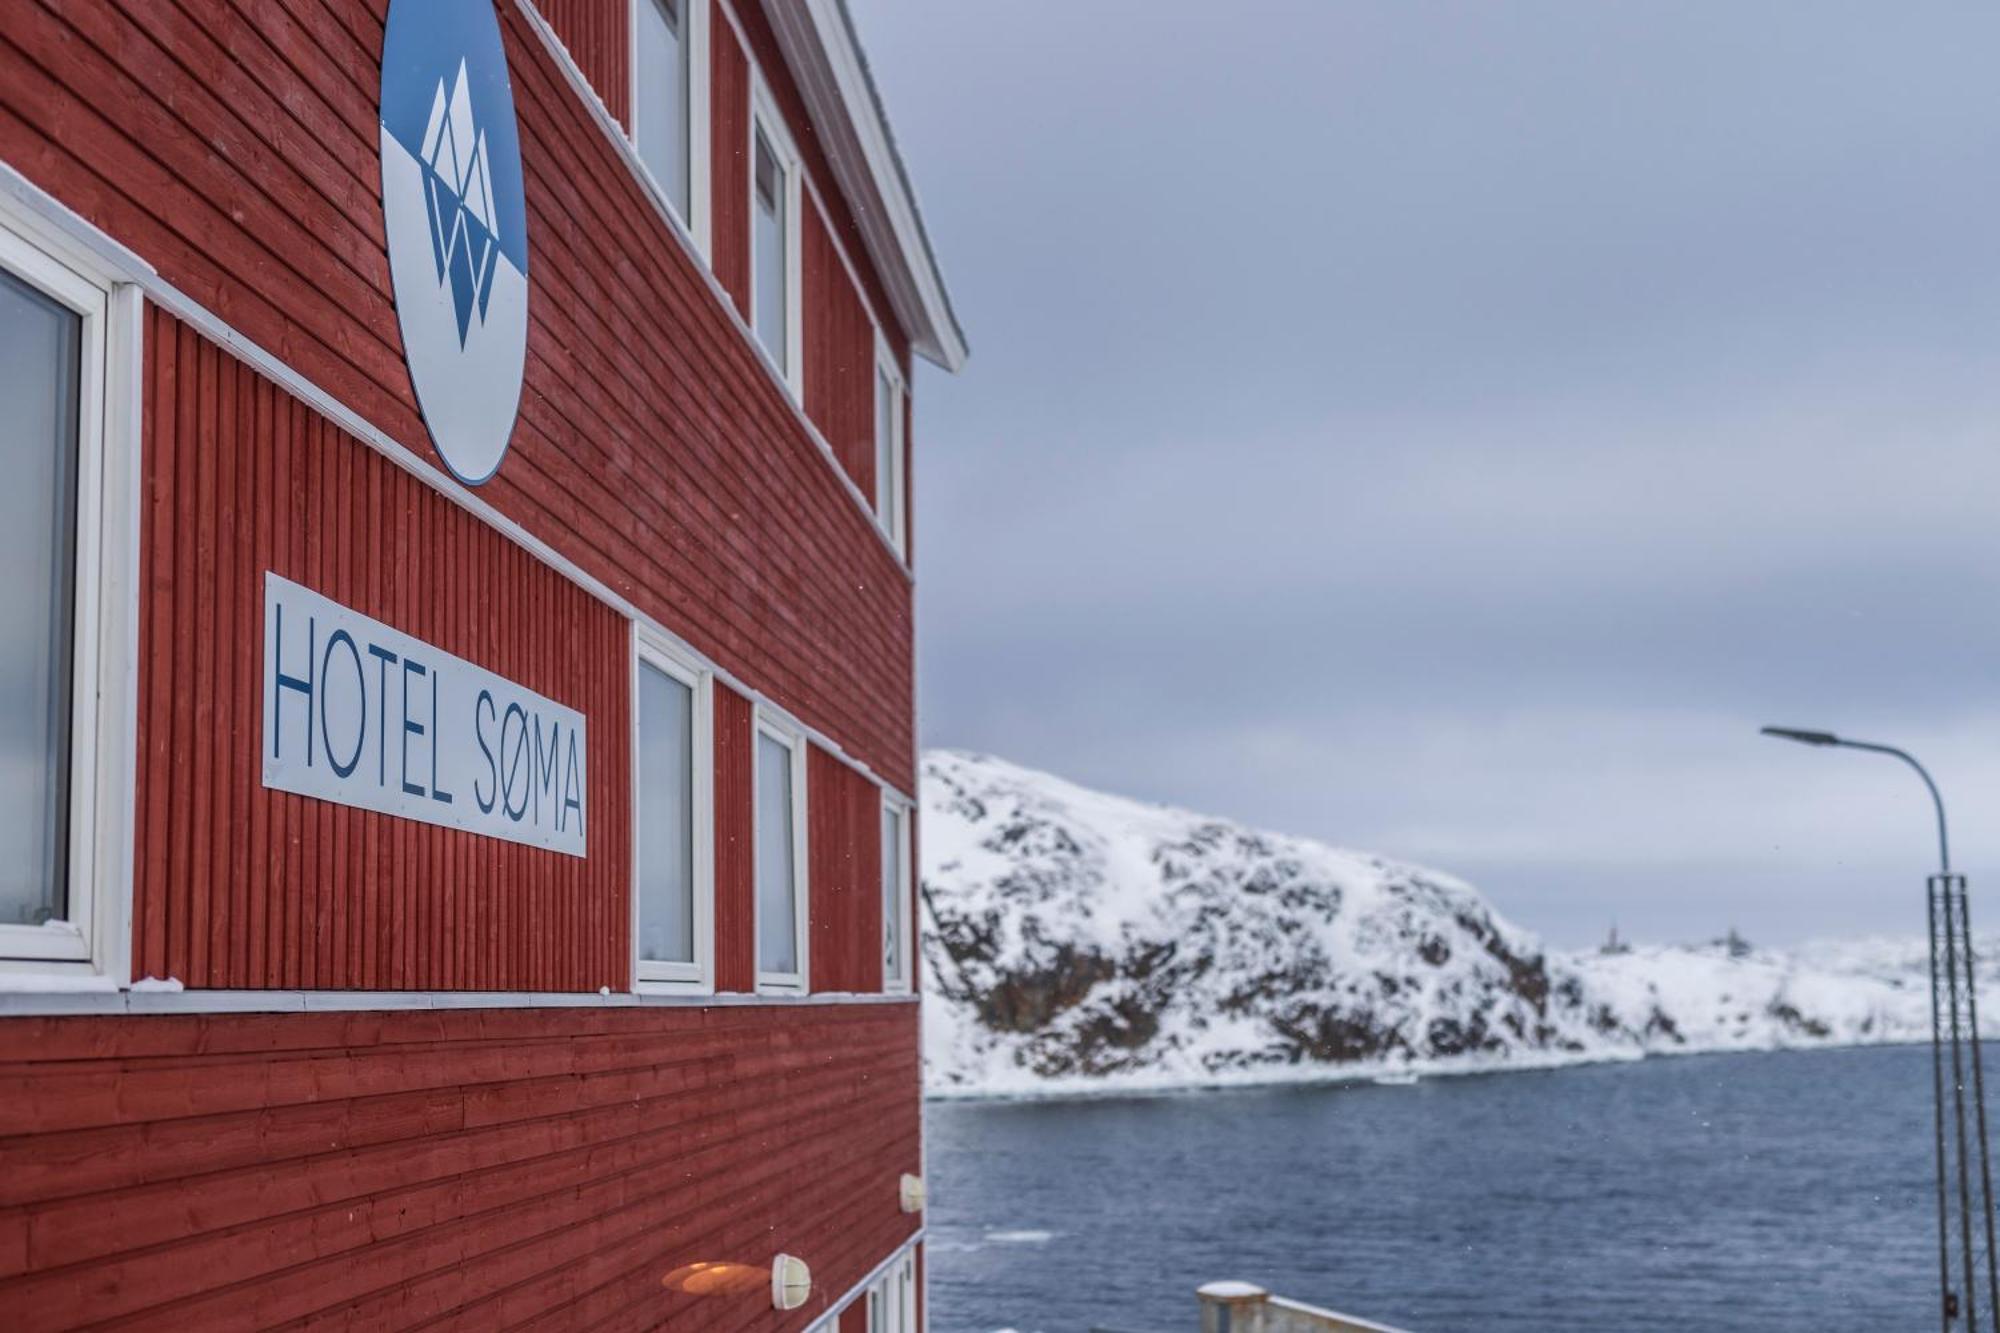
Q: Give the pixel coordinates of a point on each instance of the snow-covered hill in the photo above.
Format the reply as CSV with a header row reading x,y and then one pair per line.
x,y
1076,941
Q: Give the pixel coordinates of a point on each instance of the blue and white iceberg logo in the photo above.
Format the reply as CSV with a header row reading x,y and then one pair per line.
x,y
457,224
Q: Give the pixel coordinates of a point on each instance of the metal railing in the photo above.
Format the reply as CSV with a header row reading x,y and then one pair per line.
x,y
1241,1307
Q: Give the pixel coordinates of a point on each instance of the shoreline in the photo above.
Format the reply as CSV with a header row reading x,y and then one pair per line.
x,y
1083,1088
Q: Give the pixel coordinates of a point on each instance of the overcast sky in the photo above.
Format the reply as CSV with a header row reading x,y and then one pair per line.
x,y
1451,430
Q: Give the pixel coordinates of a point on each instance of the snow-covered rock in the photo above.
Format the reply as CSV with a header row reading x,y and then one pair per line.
x,y
1076,942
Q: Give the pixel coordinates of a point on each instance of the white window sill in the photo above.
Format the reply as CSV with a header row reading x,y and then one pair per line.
x,y
647,986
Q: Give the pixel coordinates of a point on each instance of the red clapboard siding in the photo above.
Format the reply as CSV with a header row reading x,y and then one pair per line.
x,y
729,162
735,844
653,449
839,356
844,855
854,1319
598,35
240,886
488,1168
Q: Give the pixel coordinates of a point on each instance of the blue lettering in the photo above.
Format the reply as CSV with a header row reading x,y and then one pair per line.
x,y
285,682
572,797
485,803
360,686
383,659
544,772
410,727
514,763
437,793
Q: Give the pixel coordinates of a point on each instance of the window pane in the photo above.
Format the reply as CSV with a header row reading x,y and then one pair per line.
x,y
777,888
666,818
892,894
661,120
885,446
40,353
767,241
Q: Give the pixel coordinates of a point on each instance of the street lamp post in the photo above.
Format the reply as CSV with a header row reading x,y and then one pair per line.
x,y
1952,975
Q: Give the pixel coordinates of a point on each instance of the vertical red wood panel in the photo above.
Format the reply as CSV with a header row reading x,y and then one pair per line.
x,y
735,850
839,356
844,850
598,35
729,166
151,831
359,530
854,1319
470,1169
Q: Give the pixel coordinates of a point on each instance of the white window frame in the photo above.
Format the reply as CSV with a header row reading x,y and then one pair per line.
x,y
699,224
764,119
654,975
894,806
104,673
781,983
892,494
892,1298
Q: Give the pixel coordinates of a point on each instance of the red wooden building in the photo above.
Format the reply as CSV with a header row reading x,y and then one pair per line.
x,y
456,704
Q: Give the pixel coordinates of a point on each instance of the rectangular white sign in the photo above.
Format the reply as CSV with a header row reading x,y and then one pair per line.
x,y
357,713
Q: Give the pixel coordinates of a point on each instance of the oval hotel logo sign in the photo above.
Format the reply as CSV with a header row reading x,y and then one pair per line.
x,y
457,224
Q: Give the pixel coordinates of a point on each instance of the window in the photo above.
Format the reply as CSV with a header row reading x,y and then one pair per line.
x,y
767,242
56,327
892,1300
896,936
662,96
780,852
673,876
889,464
774,242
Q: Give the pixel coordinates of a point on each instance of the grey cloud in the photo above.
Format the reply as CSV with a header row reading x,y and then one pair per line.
x,y
1449,429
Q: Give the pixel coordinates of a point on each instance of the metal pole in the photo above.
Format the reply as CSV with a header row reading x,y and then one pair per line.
x,y
1941,884
1979,1103
1944,846
1946,1305
1958,1113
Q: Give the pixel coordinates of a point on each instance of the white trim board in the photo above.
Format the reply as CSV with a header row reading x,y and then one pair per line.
x,y
698,975
108,1000
768,124
799,980
126,266
93,941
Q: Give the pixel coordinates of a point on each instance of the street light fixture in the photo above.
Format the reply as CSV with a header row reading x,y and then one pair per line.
x,y
1952,947
1828,738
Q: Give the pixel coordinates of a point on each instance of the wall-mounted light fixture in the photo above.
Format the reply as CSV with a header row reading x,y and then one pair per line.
x,y
913,1193
791,1282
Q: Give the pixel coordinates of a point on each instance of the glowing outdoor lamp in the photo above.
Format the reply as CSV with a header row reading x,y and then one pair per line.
x,y
710,1278
1951,947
